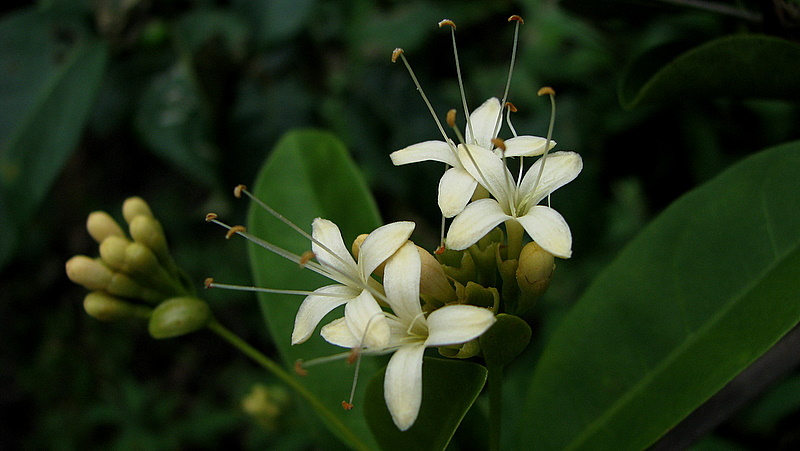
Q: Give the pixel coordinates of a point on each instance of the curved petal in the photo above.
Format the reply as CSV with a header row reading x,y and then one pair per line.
x,y
401,282
316,306
366,321
483,121
525,146
474,223
455,190
454,324
491,172
381,244
334,255
338,333
425,151
402,385
549,229
560,168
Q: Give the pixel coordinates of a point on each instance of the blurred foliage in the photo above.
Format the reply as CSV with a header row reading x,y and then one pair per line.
x,y
179,100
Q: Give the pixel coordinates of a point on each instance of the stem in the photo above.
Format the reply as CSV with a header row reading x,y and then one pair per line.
x,y
514,231
268,364
495,406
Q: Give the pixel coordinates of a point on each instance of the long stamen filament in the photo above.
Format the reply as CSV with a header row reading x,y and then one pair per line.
x,y
513,109
510,186
209,283
451,121
458,74
549,91
518,21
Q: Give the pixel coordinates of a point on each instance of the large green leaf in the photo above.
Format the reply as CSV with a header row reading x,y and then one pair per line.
x,y
749,66
449,387
702,292
308,175
50,70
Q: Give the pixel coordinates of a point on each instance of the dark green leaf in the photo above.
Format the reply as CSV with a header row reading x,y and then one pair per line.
x,y
449,388
702,292
308,175
746,66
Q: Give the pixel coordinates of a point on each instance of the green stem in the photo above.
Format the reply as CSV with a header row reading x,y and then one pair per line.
x,y
268,364
495,405
515,232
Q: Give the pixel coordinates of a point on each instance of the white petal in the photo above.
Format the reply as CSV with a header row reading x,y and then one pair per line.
x,y
560,168
455,190
454,324
338,333
339,258
483,121
491,172
316,306
525,146
381,244
474,223
402,386
549,229
366,321
425,151
401,282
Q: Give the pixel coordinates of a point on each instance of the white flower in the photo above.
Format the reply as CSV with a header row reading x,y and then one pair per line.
x,y
356,288
411,333
516,201
457,184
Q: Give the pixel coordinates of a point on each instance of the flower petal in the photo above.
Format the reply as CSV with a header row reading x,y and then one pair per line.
x,y
334,255
316,306
483,121
454,324
425,151
401,282
491,172
402,385
381,244
338,333
525,146
474,223
455,190
549,229
560,168
367,321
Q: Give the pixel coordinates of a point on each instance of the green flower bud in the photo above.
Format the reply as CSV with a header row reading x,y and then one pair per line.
x,y
433,281
135,206
474,294
462,351
533,275
148,231
91,273
142,265
178,316
105,307
112,251
101,225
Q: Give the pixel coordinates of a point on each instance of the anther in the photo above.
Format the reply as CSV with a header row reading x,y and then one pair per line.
x,y
237,192
346,405
547,90
439,250
516,18
210,217
208,283
353,357
511,107
306,257
396,54
451,118
499,143
234,230
298,368
447,22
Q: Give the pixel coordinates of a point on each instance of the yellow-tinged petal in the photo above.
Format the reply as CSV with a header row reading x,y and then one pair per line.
x,y
402,385
474,223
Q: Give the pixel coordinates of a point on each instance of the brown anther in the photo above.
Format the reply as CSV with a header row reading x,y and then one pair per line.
x,y
234,230
451,118
210,217
440,250
351,359
298,368
346,405
447,22
516,18
208,282
396,54
511,107
499,143
307,255
237,192
547,90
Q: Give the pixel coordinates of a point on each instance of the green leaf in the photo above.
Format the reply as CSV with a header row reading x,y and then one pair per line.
x,y
449,388
704,290
50,70
308,175
743,66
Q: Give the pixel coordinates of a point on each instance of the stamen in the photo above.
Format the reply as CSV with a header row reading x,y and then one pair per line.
x,y
237,192
547,90
298,368
209,283
346,405
516,18
458,74
510,108
307,255
451,121
210,217
410,326
240,229
518,21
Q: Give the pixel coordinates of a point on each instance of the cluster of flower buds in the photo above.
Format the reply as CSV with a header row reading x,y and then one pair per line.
x,y
135,276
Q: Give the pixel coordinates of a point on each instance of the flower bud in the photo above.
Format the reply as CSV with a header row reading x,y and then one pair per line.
x,y
142,265
101,225
178,316
534,272
461,351
267,405
433,282
105,307
90,273
135,206
148,231
112,251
